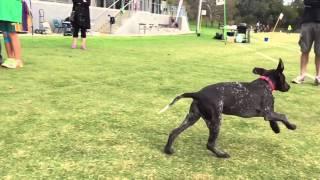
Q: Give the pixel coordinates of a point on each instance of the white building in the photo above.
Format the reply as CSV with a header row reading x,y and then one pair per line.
x,y
131,16
144,5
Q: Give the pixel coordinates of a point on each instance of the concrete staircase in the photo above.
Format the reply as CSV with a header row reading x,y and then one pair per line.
x,y
138,23
109,2
141,23
121,18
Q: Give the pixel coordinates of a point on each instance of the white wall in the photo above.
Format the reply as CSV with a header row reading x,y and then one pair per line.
x,y
131,25
54,10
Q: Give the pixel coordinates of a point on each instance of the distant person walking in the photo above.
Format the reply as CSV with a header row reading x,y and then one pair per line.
x,y
289,29
80,21
10,13
310,33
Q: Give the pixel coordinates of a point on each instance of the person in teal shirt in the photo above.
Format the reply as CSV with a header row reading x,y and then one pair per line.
x,y
10,13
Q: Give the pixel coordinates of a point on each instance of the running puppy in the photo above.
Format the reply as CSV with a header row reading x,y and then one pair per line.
x,y
249,99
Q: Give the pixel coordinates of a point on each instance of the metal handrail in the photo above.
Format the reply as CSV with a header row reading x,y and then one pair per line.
x,y
113,4
102,14
158,5
122,9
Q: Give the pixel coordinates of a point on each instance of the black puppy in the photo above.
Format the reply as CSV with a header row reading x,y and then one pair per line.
x,y
250,99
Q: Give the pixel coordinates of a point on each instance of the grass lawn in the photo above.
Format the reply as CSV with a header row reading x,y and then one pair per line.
x,y
94,114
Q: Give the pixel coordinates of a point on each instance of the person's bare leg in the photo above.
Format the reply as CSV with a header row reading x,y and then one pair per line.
x,y
317,61
303,68
7,43
74,42
304,63
16,48
83,43
16,45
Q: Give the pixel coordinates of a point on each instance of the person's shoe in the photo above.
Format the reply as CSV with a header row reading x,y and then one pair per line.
x,y
298,80
73,46
10,63
317,81
83,47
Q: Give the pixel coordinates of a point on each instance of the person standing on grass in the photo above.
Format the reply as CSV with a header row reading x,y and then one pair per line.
x,y
310,33
10,13
81,21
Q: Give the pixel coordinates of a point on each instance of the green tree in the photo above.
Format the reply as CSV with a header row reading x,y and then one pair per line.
x,y
264,11
248,11
293,14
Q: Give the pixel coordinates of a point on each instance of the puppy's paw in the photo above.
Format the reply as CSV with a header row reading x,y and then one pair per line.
x,y
223,155
277,131
218,153
274,126
292,127
168,151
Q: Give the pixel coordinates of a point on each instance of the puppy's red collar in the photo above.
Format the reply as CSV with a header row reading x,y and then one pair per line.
x,y
272,86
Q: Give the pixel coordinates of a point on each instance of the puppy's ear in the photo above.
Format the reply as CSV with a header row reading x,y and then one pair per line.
x,y
259,71
280,67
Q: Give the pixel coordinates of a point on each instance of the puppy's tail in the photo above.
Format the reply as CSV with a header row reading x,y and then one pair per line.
x,y
185,95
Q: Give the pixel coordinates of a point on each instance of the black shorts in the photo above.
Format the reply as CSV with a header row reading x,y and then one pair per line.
x,y
310,33
7,26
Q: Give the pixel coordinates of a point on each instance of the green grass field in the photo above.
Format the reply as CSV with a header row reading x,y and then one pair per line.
x,y
94,114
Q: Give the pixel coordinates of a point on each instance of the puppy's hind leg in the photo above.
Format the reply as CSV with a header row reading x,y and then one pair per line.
x,y
214,128
274,126
192,117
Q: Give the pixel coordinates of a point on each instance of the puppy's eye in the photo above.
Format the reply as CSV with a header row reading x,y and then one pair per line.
x,y
281,78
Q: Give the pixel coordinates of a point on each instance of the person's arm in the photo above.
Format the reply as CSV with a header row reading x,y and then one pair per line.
x,y
87,2
77,1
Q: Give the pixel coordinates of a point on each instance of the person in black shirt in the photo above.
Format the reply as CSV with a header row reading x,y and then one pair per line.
x,y
81,21
310,33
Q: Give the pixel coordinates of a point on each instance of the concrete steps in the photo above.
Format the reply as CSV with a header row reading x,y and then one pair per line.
x,y
120,19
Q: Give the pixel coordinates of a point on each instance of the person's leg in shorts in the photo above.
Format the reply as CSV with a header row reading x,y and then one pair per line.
x,y
83,38
12,44
305,42
317,52
75,35
7,44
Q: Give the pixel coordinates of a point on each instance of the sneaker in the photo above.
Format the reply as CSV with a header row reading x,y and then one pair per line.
x,y
298,80
73,46
83,47
10,63
317,81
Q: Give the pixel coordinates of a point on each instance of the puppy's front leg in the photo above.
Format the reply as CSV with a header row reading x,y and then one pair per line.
x,y
273,116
